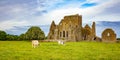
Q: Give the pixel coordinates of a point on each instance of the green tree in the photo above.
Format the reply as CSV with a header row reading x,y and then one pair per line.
x,y
11,37
22,37
3,35
34,33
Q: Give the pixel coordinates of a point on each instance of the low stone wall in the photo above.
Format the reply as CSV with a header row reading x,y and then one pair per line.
x,y
48,41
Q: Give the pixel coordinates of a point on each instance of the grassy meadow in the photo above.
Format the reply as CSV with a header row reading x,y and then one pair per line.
x,y
22,50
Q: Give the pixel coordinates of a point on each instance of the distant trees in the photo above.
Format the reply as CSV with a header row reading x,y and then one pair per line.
x,y
22,37
11,37
33,33
3,35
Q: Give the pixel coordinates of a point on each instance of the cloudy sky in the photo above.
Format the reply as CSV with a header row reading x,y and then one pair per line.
x,y
16,16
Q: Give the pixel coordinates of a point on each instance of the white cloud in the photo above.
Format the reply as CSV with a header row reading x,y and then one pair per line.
x,y
10,24
95,13
94,1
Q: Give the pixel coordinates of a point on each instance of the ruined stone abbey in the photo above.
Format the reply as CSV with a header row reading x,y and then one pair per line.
x,y
70,29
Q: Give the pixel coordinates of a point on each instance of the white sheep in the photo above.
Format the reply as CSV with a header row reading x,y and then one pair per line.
x,y
35,43
61,42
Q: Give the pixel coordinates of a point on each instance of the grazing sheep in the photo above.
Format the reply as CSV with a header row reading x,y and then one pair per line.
x,y
61,42
35,43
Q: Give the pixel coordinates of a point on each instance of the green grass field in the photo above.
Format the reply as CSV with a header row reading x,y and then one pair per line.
x,y
22,50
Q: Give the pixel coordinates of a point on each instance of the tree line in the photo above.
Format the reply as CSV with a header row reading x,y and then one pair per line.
x,y
33,33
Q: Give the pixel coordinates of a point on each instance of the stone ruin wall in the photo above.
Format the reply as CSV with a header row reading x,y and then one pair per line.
x,y
70,29
108,35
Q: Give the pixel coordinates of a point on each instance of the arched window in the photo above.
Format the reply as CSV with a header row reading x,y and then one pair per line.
x,y
108,34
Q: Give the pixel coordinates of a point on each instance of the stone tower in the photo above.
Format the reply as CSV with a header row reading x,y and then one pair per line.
x,y
70,28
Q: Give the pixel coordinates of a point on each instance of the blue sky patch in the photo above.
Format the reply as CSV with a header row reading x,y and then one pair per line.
x,y
89,5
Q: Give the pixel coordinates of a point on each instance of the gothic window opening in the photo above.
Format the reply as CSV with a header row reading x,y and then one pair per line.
x,y
76,26
108,34
63,33
67,34
60,34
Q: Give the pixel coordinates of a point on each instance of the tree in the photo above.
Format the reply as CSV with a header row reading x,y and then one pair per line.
x,y
34,33
22,37
11,37
3,35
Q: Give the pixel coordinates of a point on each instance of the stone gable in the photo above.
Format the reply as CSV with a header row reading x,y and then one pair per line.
x,y
108,35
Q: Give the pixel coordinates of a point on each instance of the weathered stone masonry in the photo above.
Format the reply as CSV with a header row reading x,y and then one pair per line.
x,y
70,29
